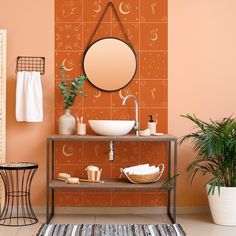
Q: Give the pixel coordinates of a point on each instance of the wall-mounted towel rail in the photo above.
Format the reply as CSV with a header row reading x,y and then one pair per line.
x,y
25,63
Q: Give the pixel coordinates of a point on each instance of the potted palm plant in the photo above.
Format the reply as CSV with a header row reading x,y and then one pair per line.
x,y
69,91
215,145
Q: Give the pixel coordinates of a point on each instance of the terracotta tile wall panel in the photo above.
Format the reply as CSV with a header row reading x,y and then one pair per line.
x,y
96,198
125,198
68,198
145,22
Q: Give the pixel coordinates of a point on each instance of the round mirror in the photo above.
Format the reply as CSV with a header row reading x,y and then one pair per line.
x,y
110,64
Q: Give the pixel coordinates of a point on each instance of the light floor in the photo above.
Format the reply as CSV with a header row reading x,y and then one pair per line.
x,y
194,225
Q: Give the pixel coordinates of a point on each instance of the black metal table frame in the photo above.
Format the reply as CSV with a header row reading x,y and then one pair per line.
x,y
171,146
17,190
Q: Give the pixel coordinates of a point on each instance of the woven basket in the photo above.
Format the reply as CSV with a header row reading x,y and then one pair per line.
x,y
141,179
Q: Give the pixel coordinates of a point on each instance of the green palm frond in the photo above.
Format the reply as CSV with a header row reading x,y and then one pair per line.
x,y
215,146
169,183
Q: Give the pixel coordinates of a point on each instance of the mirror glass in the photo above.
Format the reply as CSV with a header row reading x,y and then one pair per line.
x,y
110,64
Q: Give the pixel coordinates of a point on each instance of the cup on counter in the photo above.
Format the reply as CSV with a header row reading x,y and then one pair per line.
x,y
81,129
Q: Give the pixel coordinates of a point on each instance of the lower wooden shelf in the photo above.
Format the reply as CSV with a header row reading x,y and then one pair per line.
x,y
109,184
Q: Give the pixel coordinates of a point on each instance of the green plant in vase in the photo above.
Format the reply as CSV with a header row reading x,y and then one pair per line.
x,y
215,145
69,91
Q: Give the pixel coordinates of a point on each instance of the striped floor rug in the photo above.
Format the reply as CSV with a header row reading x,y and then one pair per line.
x,y
110,230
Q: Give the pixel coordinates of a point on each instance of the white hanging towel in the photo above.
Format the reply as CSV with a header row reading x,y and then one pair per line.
x,y
29,97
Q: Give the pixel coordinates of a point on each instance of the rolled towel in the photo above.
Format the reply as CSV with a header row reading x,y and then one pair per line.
x,y
142,169
132,168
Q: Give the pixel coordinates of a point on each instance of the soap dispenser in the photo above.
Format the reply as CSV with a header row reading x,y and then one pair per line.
x,y
152,125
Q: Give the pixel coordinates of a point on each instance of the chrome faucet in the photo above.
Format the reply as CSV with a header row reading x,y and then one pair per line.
x,y
136,125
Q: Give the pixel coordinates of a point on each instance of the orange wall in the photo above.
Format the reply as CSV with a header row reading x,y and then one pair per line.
x,y
202,75
30,30
144,20
202,57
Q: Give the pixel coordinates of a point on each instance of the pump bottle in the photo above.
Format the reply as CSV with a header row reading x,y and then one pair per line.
x,y
152,125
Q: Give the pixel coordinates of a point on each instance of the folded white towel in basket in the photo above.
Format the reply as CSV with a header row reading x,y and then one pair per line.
x,y
29,97
142,169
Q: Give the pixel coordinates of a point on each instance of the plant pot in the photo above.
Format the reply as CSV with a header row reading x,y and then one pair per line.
x,y
223,206
67,123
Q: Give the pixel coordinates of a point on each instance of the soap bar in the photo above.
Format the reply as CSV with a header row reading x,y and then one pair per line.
x,y
145,132
72,180
63,175
157,134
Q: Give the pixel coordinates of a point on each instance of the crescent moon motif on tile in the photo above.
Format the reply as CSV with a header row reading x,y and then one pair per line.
x,y
66,68
154,36
99,8
120,94
122,11
65,153
97,95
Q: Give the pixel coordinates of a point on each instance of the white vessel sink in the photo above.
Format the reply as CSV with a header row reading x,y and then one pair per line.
x,y
111,127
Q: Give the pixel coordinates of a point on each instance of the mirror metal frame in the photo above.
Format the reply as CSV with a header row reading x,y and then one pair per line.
x,y
135,56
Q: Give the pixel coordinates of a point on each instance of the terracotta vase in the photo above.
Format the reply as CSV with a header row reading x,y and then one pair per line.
x,y
67,123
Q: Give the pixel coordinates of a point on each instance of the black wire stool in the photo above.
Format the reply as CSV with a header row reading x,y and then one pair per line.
x,y
17,209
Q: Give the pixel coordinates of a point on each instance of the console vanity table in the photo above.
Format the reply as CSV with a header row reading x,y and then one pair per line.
x,y
111,184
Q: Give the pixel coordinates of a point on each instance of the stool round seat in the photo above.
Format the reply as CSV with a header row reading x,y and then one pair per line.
x,y
18,166
17,179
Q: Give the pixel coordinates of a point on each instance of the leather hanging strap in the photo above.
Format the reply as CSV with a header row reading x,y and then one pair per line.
x,y
110,4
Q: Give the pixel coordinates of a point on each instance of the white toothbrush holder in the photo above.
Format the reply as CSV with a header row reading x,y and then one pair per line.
x,y
81,129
